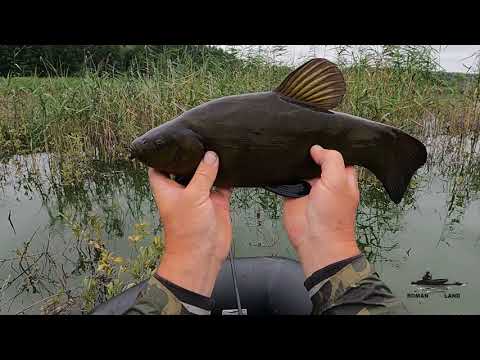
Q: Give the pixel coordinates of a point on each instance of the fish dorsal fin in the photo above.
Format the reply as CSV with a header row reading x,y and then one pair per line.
x,y
318,82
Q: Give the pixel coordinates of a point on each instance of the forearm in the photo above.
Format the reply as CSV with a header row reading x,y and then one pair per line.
x,y
162,297
182,284
351,287
196,271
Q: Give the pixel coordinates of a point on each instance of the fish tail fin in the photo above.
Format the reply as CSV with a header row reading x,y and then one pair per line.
x,y
400,162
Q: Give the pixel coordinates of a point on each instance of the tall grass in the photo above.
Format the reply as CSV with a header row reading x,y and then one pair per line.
x,y
98,115
405,87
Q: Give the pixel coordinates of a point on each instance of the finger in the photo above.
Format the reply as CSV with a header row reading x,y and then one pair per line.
x,y
161,183
352,177
331,162
205,174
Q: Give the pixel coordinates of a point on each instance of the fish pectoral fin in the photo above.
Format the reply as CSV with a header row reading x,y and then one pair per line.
x,y
291,190
318,82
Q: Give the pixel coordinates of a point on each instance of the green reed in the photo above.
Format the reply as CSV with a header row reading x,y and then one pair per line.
x,y
99,114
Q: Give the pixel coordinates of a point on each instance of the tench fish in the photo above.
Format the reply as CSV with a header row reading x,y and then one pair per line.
x,y
263,139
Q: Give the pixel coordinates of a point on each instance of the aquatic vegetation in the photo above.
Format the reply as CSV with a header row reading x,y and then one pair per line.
x,y
115,274
102,273
99,114
89,222
63,141
403,86
105,112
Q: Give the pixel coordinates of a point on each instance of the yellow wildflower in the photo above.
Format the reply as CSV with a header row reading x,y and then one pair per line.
x,y
118,260
135,238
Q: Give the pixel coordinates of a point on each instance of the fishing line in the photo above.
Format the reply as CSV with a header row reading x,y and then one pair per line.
x,y
234,276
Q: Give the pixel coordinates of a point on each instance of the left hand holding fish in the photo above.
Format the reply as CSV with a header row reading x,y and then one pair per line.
x,y
197,226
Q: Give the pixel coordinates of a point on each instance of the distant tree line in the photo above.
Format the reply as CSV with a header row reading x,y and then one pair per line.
x,y
74,60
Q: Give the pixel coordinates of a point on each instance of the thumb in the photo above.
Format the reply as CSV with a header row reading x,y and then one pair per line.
x,y
331,163
205,175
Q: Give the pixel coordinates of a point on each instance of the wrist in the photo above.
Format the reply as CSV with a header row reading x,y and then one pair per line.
x,y
197,274
315,254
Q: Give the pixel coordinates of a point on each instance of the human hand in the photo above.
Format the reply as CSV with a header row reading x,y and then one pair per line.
x,y
197,227
321,225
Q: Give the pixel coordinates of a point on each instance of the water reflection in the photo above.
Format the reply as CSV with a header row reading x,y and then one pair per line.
x,y
46,225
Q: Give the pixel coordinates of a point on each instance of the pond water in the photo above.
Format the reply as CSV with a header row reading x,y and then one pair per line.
x,y
436,227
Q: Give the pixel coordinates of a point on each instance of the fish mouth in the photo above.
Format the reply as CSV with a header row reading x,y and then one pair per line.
x,y
137,152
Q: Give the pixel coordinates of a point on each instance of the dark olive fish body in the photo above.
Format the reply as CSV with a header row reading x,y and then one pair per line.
x,y
264,140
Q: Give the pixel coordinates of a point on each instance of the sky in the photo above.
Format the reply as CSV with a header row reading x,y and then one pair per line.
x,y
452,58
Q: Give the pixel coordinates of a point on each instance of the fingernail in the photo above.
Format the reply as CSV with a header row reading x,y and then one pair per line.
x,y
317,147
210,158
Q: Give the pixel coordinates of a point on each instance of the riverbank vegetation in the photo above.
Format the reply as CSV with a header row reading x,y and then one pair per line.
x,y
83,108
97,114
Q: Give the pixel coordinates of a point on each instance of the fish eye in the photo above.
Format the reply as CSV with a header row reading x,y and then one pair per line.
x,y
159,142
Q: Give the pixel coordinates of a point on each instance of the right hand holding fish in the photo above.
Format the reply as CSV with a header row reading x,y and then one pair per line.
x,y
321,225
